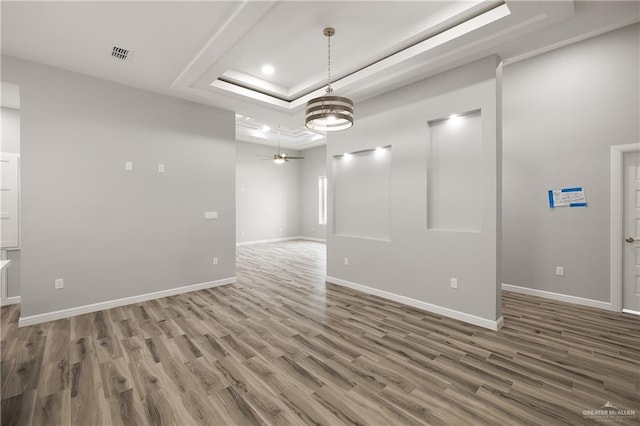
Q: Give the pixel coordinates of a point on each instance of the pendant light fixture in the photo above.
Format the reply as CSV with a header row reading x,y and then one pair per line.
x,y
329,113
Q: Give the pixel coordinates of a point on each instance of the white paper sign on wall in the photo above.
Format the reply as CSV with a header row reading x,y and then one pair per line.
x,y
567,197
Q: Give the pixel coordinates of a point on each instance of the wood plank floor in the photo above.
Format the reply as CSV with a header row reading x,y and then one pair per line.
x,y
282,347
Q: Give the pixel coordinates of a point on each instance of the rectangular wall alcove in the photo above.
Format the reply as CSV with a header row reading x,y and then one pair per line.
x,y
361,194
454,173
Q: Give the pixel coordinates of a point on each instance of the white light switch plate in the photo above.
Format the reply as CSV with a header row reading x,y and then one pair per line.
x,y
128,165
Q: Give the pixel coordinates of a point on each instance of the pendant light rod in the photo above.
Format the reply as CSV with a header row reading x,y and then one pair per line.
x,y
329,32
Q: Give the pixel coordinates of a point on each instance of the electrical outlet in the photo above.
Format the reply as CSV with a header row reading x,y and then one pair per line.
x,y
346,261
210,215
58,283
215,260
160,168
128,165
560,271
454,283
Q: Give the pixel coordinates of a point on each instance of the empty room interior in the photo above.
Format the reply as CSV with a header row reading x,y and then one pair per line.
x,y
320,212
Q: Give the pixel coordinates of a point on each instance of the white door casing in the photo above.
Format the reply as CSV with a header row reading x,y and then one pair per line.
x,y
617,228
10,201
631,250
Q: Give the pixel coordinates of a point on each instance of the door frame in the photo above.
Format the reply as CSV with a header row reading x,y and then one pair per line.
x,y
617,223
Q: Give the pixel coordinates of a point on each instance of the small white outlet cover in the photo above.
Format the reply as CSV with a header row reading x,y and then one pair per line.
x,y
160,168
215,260
454,283
211,215
58,283
560,271
346,261
128,165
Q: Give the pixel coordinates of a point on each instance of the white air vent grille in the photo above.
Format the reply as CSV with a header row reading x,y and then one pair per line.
x,y
120,53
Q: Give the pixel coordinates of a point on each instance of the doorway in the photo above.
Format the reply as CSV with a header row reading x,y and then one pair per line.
x,y
625,228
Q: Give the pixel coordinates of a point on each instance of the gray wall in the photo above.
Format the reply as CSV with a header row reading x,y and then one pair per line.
x,y
108,232
10,121
417,262
267,198
562,112
312,167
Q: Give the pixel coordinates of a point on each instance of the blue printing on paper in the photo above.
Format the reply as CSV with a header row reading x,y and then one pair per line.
x,y
578,205
571,190
551,199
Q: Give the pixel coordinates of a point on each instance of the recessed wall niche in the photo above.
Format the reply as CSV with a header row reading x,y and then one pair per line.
x,y
361,194
454,173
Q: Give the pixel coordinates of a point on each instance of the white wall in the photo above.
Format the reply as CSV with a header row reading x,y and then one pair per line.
x,y
562,112
267,194
108,232
417,262
312,167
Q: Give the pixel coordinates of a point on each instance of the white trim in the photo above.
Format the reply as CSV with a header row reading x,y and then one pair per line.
x,y
271,240
275,240
630,311
318,240
617,226
10,301
4,286
558,296
462,316
79,310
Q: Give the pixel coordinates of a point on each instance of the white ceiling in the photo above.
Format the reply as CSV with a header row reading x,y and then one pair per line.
x,y
212,51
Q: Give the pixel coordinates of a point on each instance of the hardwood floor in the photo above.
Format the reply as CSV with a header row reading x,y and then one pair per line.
x,y
281,347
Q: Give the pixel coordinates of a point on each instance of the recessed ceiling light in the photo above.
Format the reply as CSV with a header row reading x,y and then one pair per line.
x,y
266,128
268,69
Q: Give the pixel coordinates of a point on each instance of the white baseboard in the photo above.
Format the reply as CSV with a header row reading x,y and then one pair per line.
x,y
318,240
275,240
450,313
271,240
79,310
559,297
10,301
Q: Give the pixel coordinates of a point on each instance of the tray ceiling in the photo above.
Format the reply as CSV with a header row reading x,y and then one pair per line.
x,y
213,52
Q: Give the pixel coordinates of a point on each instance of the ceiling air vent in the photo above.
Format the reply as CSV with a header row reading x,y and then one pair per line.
x,y
121,53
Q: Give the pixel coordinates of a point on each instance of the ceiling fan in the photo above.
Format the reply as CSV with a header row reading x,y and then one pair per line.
x,y
282,157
